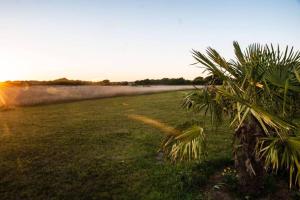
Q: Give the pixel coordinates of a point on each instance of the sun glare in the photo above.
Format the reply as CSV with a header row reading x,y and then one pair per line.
x,y
10,74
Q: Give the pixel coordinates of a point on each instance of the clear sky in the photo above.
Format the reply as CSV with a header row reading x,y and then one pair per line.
x,y
129,40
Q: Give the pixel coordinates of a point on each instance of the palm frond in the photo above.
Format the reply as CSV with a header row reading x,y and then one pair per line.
x,y
281,153
189,145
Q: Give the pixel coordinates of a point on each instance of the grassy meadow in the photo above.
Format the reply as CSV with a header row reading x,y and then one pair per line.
x,y
92,150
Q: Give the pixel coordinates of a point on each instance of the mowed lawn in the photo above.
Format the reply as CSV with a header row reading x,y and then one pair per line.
x,y
92,150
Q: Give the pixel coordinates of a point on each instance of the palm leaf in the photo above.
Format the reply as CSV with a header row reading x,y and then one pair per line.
x,y
281,153
188,145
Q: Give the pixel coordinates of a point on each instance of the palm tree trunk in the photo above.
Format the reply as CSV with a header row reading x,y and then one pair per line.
x,y
250,170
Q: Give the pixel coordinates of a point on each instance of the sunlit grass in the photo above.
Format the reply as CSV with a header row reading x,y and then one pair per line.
x,y
92,150
155,123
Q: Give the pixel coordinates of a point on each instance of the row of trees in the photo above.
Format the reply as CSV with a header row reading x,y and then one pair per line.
x,y
165,81
179,81
63,81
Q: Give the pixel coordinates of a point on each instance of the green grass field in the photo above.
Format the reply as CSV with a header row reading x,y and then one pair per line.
x,y
92,150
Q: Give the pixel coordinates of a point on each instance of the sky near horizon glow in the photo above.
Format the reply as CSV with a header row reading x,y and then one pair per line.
x,y
133,39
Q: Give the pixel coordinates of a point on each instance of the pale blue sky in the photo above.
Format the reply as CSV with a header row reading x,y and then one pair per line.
x,y
129,40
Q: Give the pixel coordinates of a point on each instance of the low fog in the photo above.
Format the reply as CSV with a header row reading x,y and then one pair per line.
x,y
34,95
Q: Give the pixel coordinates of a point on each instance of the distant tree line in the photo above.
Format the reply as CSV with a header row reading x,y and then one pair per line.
x,y
64,82
164,81
180,81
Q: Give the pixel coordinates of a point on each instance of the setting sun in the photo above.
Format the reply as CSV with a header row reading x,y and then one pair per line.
x,y
10,74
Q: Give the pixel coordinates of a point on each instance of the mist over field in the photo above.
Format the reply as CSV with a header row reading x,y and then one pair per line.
x,y
34,95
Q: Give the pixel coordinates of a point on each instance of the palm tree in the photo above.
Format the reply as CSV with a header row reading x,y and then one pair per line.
x,y
260,94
